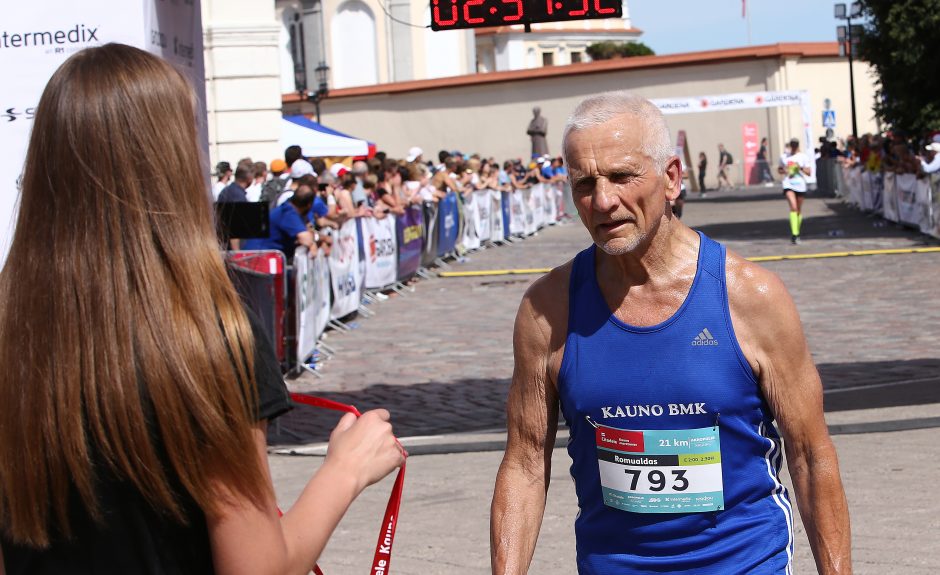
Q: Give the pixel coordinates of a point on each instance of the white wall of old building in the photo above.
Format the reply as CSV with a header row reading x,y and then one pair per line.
x,y
244,81
491,117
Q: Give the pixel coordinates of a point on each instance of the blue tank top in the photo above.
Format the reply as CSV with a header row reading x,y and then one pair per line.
x,y
674,453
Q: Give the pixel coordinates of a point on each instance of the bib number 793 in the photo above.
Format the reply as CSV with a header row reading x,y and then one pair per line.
x,y
660,471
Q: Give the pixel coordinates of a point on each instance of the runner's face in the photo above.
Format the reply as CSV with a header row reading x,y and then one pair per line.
x,y
617,190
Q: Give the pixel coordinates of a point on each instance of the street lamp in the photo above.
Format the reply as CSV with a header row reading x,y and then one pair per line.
x,y
322,71
847,44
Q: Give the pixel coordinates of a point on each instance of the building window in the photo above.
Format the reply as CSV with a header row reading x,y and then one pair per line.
x,y
297,53
575,57
548,58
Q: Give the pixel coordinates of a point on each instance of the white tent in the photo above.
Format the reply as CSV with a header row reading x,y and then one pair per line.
x,y
319,141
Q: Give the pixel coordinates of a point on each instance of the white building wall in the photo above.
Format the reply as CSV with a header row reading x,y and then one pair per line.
x,y
353,41
243,79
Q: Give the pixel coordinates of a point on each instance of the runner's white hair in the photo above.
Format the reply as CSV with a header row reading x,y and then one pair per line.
x,y
601,108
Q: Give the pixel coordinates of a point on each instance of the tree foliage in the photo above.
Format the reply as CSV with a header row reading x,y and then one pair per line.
x,y
900,42
608,49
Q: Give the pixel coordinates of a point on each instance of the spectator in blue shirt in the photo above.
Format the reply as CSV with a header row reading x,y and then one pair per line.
x,y
235,192
559,171
288,224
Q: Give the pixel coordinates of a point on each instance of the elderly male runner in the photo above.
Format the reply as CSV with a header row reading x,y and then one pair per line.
x,y
670,359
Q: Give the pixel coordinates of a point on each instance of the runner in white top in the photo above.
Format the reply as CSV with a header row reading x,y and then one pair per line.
x,y
795,166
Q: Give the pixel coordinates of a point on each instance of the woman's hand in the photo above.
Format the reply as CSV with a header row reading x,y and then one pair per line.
x,y
364,447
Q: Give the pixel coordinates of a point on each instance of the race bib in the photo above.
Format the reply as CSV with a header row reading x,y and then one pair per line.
x,y
660,471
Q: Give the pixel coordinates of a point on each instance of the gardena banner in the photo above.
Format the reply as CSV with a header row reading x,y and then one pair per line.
x,y
743,101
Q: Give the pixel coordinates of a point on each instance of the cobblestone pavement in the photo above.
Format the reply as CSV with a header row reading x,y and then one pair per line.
x,y
440,358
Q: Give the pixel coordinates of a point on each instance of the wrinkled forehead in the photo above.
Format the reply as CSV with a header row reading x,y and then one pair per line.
x,y
618,138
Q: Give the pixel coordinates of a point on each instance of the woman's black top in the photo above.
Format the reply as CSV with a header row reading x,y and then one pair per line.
x,y
134,538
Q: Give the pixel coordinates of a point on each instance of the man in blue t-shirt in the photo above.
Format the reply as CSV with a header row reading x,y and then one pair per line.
x,y
288,224
235,192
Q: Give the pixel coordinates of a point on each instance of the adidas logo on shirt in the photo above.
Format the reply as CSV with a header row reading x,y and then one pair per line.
x,y
705,338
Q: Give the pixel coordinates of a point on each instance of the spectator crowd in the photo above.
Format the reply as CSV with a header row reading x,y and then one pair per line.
x,y
308,198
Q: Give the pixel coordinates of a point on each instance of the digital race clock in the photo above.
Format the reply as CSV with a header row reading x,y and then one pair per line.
x,y
452,14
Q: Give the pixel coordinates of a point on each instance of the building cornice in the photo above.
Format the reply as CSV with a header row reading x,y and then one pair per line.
x,y
783,50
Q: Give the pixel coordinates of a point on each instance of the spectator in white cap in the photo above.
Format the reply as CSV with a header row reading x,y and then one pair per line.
x,y
298,170
415,155
931,162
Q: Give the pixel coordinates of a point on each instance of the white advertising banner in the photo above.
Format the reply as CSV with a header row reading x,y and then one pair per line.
x,y
743,101
906,196
37,37
321,273
551,203
537,205
482,207
890,197
497,228
517,213
470,239
381,252
305,293
529,225
344,270
923,198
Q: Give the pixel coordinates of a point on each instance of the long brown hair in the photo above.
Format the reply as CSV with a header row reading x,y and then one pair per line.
x,y
115,305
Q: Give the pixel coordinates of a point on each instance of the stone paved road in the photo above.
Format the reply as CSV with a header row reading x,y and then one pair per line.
x,y
440,359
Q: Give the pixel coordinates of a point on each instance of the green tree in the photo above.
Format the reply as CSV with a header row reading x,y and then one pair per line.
x,y
608,49
900,42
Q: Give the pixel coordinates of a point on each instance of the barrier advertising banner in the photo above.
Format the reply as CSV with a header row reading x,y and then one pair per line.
x,y
497,232
470,238
889,196
482,208
429,251
321,274
344,270
410,236
305,290
448,216
37,37
551,204
517,217
381,256
906,197
528,217
922,196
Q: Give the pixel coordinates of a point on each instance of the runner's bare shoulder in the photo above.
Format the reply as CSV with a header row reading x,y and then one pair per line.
x,y
542,320
762,311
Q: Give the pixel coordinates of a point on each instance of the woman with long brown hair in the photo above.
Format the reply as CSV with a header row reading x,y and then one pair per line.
x,y
135,390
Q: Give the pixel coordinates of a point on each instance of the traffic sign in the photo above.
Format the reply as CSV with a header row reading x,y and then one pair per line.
x,y
829,119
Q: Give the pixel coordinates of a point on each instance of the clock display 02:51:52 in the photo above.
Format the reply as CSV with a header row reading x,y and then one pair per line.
x,y
454,14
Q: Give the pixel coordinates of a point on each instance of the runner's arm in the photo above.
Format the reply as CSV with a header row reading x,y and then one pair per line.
x,y
524,474
772,339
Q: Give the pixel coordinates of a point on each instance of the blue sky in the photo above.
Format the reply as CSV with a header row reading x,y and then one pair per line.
x,y
671,26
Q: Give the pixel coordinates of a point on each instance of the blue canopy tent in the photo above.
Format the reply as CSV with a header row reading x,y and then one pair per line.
x,y
316,140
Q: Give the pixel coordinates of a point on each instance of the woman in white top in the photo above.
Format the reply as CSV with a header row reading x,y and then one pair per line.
x,y
795,167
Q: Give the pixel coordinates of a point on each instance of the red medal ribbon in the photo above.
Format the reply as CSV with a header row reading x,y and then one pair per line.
x,y
382,559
